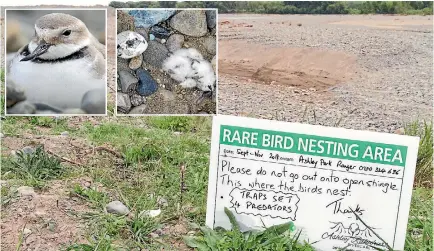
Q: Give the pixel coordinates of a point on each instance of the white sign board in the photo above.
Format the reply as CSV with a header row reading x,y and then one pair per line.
x,y
273,172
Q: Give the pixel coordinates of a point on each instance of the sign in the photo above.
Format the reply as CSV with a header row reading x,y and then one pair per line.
x,y
270,172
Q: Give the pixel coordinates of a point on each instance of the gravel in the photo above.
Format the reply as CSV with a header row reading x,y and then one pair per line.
x,y
117,207
392,85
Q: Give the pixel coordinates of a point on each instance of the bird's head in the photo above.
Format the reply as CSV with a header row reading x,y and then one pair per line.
x,y
57,35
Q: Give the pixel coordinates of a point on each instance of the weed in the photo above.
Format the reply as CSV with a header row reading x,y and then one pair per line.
x,y
21,239
278,237
424,171
55,123
178,123
420,224
36,167
97,199
105,224
8,195
103,244
141,227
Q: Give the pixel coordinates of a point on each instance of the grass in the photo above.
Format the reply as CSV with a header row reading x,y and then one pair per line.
x,y
152,156
424,164
103,244
420,223
96,198
15,126
276,238
36,167
141,227
178,124
169,157
152,160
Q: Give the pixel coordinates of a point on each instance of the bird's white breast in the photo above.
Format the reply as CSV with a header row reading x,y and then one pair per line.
x,y
60,84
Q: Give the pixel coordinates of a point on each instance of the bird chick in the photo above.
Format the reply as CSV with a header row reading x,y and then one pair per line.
x,y
190,69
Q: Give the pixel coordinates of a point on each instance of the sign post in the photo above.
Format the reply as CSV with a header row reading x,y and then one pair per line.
x,y
270,172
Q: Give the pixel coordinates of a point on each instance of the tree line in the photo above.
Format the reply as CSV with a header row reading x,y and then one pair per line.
x,y
294,7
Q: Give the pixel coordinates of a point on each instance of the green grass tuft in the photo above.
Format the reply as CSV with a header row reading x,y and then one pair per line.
x,y
36,167
97,199
277,238
180,123
420,223
141,227
424,165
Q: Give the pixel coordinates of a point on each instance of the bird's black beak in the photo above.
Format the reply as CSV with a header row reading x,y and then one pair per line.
x,y
41,49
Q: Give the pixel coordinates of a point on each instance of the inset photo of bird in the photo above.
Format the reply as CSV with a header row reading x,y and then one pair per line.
x,y
56,62
166,61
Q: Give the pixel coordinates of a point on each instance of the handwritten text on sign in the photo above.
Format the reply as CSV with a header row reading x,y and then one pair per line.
x,y
278,172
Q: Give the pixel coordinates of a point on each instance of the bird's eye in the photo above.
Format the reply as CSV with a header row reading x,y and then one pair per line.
x,y
66,33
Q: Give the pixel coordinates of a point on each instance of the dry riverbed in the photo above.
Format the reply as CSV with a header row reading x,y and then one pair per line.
x,y
361,72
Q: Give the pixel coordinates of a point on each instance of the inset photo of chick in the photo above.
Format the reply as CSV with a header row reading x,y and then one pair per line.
x,y
166,61
56,62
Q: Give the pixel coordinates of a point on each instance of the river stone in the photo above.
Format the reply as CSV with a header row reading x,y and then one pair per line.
x,y
94,101
137,100
128,81
23,107
175,42
130,44
210,45
167,95
160,32
136,62
190,22
26,191
124,103
117,207
27,150
144,32
148,18
14,94
155,54
138,109
147,84
161,201
27,231
211,18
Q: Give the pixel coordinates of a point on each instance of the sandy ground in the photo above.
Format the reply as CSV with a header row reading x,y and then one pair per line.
x,y
360,72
